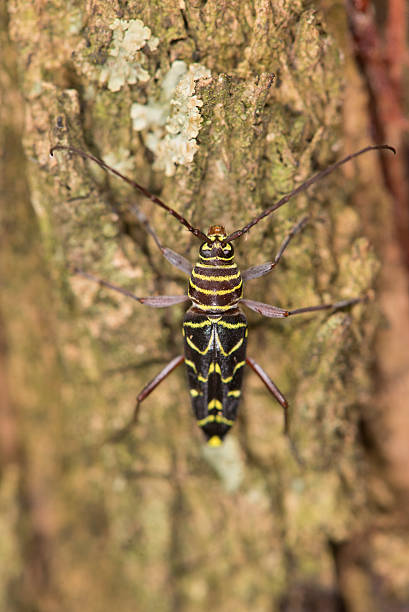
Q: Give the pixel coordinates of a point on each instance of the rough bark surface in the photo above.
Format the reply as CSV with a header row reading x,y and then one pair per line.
x,y
154,522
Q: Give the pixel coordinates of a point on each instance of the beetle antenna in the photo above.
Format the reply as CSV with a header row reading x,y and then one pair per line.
x,y
196,232
314,179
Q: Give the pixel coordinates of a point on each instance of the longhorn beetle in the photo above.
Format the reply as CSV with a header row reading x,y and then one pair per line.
x,y
214,327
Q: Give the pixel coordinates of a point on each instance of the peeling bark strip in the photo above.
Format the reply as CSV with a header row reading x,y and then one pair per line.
x,y
127,525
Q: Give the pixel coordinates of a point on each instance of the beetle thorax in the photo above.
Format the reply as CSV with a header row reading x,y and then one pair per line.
x,y
215,284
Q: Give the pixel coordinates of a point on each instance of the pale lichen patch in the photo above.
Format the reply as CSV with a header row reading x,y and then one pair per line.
x,y
123,64
173,121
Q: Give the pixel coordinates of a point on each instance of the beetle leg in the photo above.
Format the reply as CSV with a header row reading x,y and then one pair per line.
x,y
275,392
177,260
155,301
265,268
267,310
147,390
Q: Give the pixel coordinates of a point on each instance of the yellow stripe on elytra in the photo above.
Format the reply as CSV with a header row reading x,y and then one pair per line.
x,y
223,352
215,368
215,404
217,279
214,418
213,292
220,322
234,393
195,392
204,323
191,364
230,378
231,325
196,348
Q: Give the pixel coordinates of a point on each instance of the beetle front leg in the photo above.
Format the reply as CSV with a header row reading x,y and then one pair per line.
x,y
265,268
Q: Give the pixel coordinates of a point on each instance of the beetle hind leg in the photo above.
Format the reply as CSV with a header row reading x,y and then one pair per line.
x,y
275,392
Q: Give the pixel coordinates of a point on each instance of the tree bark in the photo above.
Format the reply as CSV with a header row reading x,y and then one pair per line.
x,y
154,522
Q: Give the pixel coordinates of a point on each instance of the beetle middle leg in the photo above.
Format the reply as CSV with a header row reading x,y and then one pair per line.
x,y
265,268
267,310
155,301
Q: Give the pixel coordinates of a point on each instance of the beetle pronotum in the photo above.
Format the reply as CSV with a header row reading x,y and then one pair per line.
x,y
214,327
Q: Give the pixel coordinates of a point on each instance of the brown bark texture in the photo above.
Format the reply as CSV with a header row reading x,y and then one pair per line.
x,y
220,108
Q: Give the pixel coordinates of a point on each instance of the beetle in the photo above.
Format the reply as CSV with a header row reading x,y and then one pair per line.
x,y
214,327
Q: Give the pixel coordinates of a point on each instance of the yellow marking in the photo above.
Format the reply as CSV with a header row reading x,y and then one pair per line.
x,y
230,378
214,418
219,237
195,393
191,364
228,267
215,256
235,393
207,307
210,371
238,365
213,292
227,247
205,323
222,419
197,349
215,368
214,441
215,404
235,347
216,278
231,325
